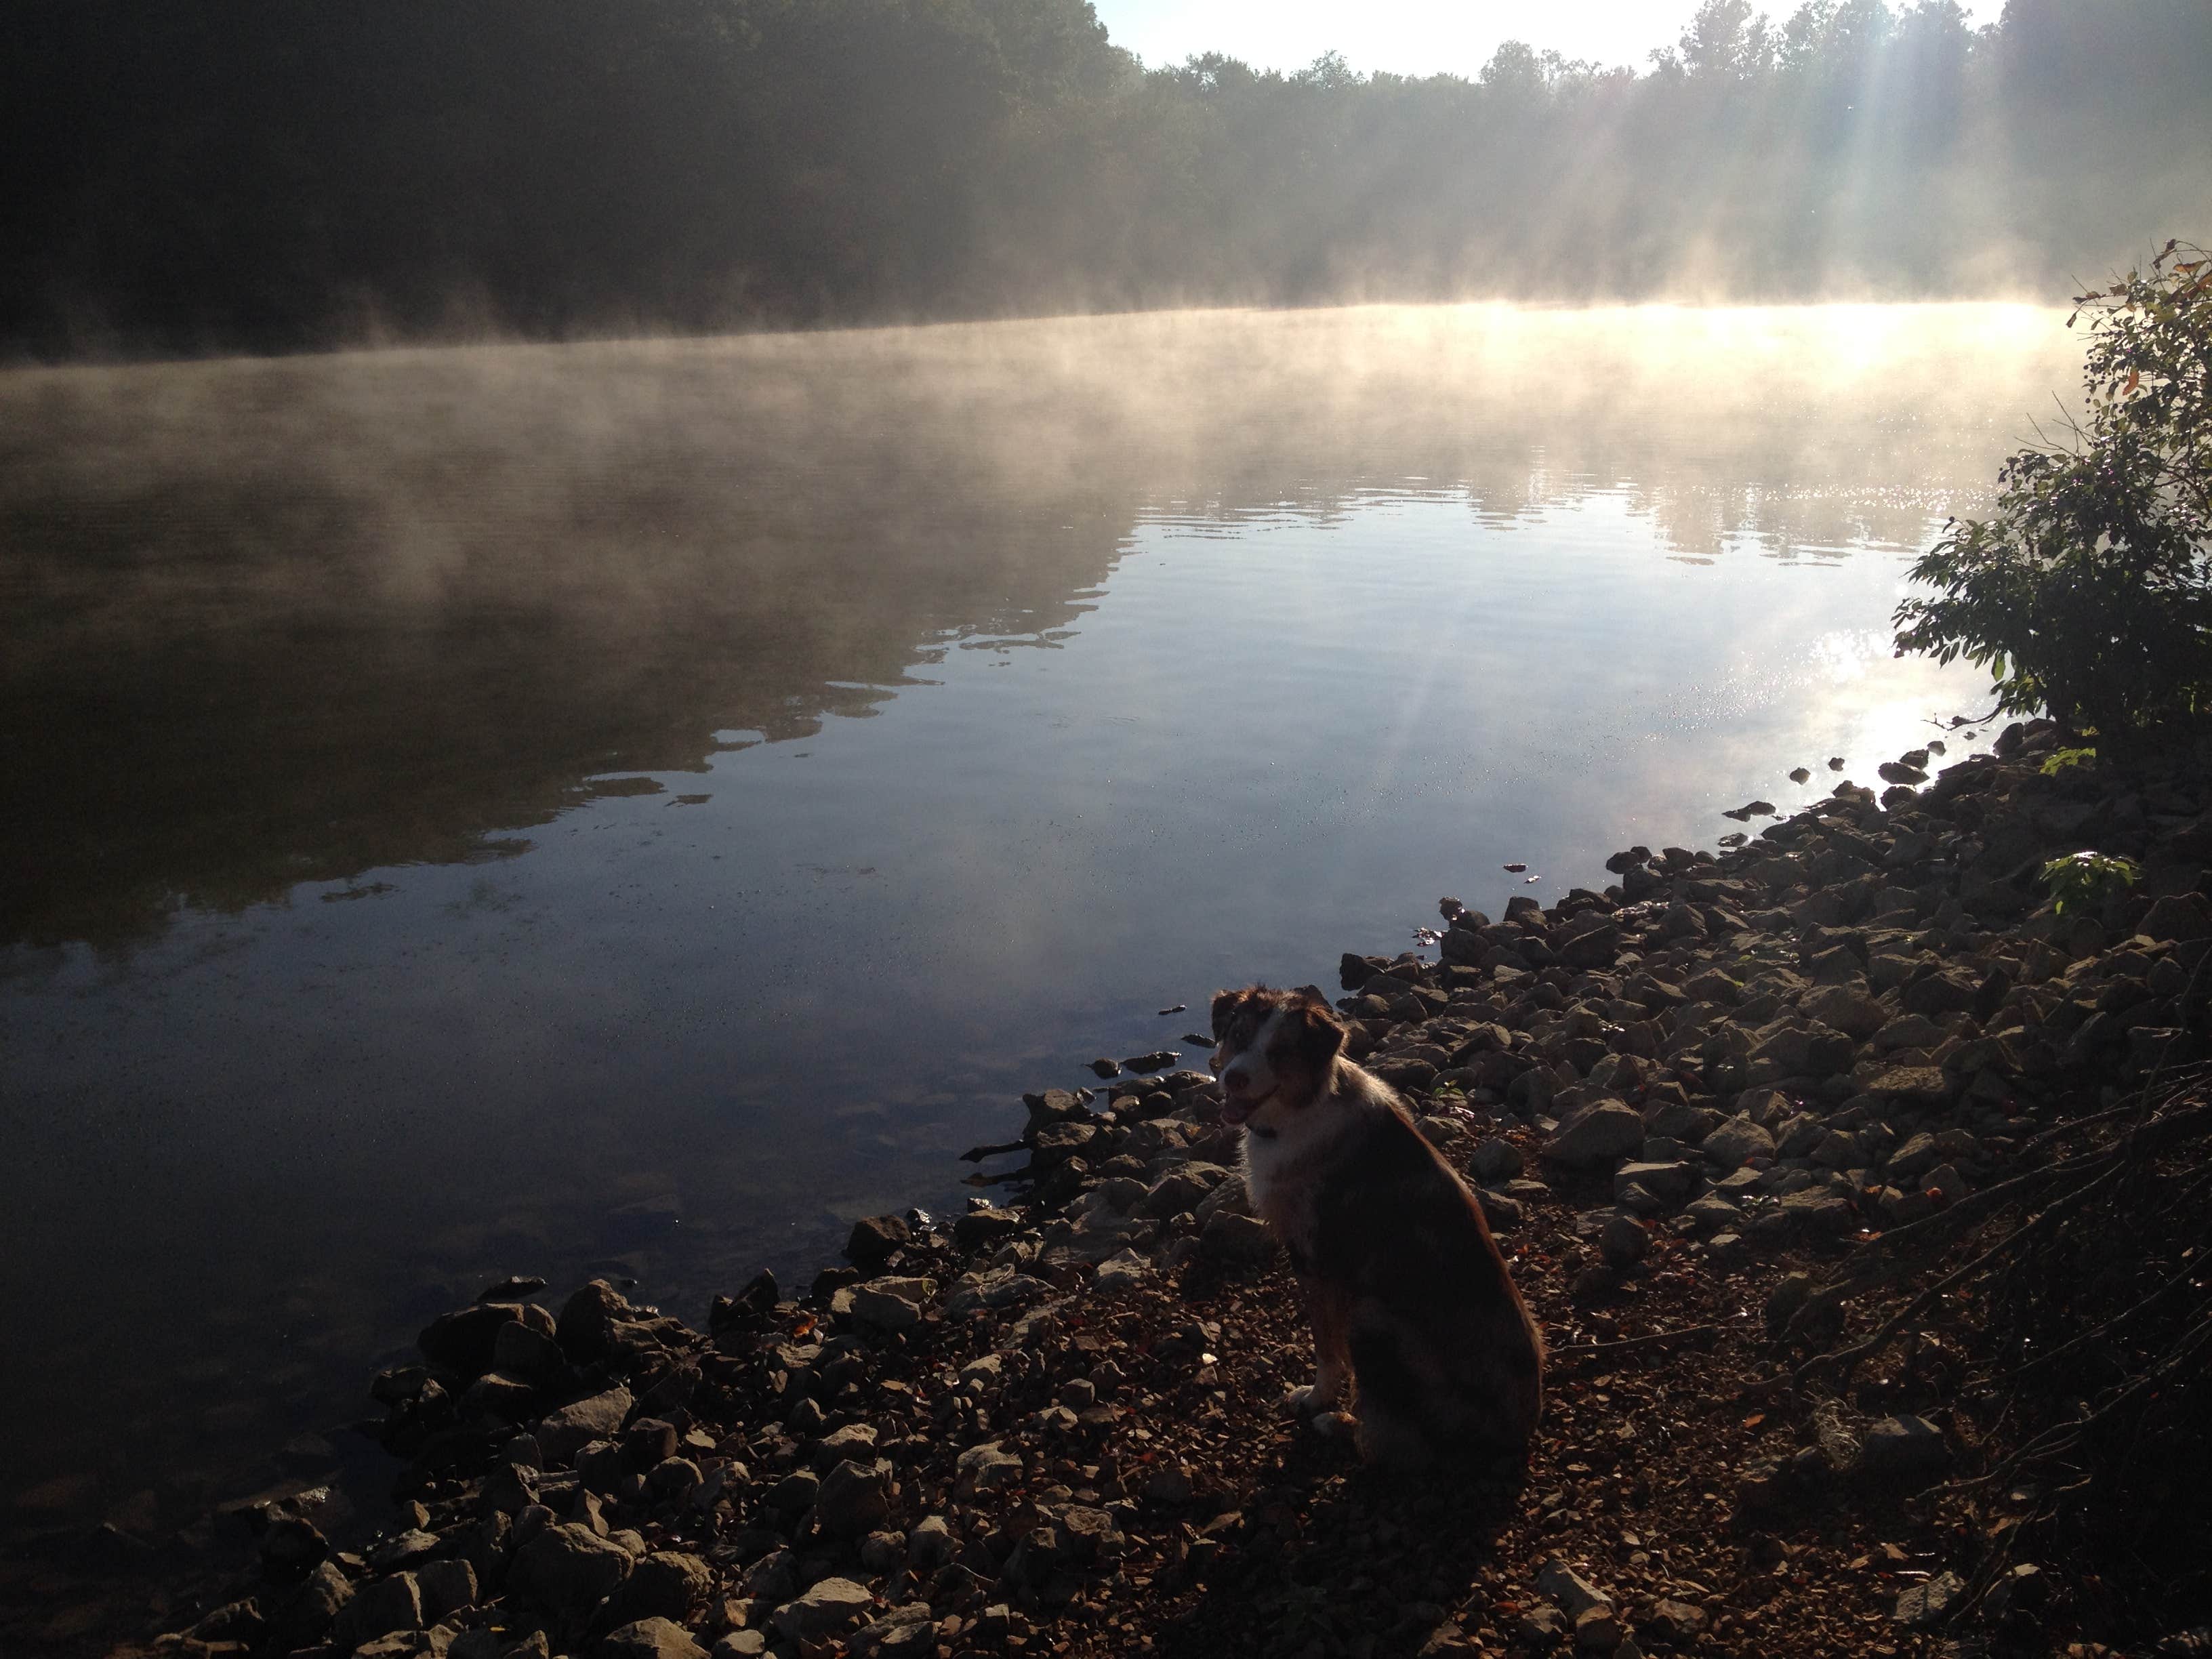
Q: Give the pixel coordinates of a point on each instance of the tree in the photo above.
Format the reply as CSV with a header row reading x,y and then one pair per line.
x,y
2089,593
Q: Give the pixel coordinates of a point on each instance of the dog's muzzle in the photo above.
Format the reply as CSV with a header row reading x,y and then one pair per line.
x,y
1235,1108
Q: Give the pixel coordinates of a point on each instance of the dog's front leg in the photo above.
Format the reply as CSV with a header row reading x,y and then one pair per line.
x,y
1330,1313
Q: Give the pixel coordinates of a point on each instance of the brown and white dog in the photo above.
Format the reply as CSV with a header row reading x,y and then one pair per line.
x,y
1402,1281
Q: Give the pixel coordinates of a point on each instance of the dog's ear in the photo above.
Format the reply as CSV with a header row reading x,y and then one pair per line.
x,y
1322,1032
1226,1004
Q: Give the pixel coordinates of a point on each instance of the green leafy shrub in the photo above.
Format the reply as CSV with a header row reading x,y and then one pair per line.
x,y
2085,880
2087,594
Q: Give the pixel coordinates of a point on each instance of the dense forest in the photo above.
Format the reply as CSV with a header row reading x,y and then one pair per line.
x,y
202,174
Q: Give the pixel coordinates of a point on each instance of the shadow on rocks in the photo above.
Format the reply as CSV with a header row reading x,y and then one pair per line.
x,y
1329,1556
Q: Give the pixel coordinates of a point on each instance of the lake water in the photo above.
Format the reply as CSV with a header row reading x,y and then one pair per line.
x,y
639,806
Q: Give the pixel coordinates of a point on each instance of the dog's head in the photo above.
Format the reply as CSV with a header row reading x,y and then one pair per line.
x,y
1276,1050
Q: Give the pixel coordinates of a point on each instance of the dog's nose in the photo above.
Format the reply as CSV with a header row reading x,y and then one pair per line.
x,y
1235,1082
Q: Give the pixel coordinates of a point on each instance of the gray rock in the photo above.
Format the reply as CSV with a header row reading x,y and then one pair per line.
x,y
599,1417
1174,1192
907,1633
1819,1211
856,1499
1736,1142
602,1465
1445,1133
1120,1193
378,1608
1495,1159
672,1478
445,1587
2177,916
1602,1132
1597,1630
1848,1010
1798,1136
1543,1626
891,1304
1238,1238
568,1568
1623,1241
883,1551
794,1492
1713,1213
1120,1273
854,1440
666,1584
1784,1301
1903,1449
306,1617
774,1578
1923,1085
1838,1149
1948,992
1929,1603
524,1350
1673,1621
829,1608
1787,1049
1671,1182
648,1638
1002,1287
875,1238
1570,1590
1913,1159
986,1467
929,1544
1909,1031
1503,1213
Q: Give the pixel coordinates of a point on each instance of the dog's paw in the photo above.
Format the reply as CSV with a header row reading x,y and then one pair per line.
x,y
1334,1424
1309,1401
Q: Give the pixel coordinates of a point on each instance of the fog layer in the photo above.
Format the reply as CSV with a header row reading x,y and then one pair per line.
x,y
288,620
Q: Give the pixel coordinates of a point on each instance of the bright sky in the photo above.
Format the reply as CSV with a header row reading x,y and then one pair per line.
x,y
1409,37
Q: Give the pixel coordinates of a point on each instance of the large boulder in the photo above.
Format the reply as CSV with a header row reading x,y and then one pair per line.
x,y
829,1608
305,1619
586,1328
666,1584
891,1304
875,1238
856,1499
569,1569
1736,1142
1848,1010
1599,1132
598,1417
463,1341
648,1638
378,1608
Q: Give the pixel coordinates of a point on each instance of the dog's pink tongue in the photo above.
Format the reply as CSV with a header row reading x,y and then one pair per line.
x,y
1235,1111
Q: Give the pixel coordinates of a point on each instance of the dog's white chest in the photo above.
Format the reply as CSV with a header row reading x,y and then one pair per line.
x,y
1279,1183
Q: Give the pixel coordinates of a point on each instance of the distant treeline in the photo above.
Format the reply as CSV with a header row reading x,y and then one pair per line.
x,y
194,175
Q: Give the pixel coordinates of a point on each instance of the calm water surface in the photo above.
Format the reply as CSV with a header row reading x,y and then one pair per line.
x,y
637,807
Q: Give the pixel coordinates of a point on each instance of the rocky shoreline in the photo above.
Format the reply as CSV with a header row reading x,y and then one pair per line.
x,y
1689,1103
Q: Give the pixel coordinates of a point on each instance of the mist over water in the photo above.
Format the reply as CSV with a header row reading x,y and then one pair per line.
x,y
638,806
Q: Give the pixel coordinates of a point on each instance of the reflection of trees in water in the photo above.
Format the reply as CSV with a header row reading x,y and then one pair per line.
x,y
273,623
